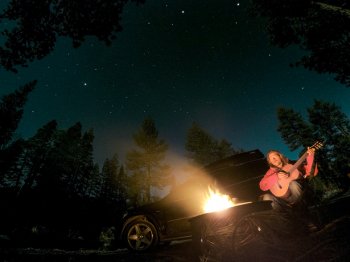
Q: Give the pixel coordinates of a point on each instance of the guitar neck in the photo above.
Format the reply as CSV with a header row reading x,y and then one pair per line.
x,y
298,163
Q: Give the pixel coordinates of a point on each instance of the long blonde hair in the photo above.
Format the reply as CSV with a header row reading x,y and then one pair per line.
x,y
283,158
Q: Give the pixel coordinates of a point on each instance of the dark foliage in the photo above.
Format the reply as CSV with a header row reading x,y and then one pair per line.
x,y
8,159
33,157
11,111
113,187
322,29
202,148
328,124
38,24
50,189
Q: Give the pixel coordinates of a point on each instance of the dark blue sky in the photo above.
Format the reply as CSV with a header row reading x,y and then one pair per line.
x,y
203,61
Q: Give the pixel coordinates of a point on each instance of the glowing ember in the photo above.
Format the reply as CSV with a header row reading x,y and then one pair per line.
x,y
217,202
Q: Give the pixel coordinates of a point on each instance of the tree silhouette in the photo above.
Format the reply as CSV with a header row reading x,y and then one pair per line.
x,y
203,148
8,158
93,184
11,111
33,159
109,178
122,181
328,124
294,130
68,168
146,162
321,28
36,25
87,167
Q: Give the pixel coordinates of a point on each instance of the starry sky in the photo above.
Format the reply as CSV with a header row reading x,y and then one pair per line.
x,y
178,62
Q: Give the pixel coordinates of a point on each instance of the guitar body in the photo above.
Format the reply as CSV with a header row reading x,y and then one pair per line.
x,y
290,173
280,188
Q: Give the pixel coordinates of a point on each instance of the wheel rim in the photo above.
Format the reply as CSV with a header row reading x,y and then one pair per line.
x,y
140,236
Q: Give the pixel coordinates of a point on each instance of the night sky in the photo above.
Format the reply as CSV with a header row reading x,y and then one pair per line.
x,y
178,62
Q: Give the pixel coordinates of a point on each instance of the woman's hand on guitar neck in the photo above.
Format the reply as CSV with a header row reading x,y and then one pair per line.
x,y
310,150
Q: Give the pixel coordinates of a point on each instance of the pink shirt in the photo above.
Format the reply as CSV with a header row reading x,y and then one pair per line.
x,y
271,176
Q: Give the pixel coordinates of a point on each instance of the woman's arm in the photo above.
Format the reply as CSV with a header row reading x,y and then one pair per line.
x,y
269,179
309,163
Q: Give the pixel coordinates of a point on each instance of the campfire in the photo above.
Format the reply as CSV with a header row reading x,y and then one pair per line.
x,y
215,201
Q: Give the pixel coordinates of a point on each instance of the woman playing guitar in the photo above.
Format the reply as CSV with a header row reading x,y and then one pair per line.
x,y
283,178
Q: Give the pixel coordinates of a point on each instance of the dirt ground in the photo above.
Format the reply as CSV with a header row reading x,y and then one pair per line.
x,y
178,251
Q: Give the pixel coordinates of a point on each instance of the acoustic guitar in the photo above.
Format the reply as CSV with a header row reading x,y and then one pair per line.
x,y
280,188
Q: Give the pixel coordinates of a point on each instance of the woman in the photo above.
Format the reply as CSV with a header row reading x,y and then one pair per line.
x,y
278,173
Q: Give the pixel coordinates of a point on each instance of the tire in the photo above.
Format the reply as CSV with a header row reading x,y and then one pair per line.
x,y
140,236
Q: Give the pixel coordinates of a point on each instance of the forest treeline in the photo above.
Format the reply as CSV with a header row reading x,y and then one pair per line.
x,y
51,178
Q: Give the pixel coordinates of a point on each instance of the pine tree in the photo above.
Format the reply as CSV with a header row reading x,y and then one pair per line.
x,y
122,186
93,183
332,126
11,111
34,156
203,148
87,169
69,153
200,145
146,162
9,169
36,26
294,130
69,166
109,179
327,124
320,28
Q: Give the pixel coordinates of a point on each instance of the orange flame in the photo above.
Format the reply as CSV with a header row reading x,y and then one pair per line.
x,y
217,202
